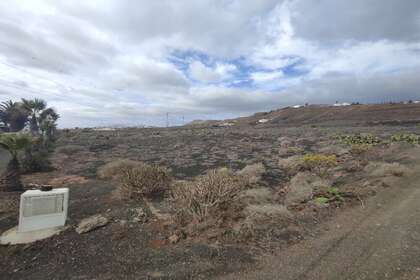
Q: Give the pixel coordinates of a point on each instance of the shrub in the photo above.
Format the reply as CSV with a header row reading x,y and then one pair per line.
x,y
207,194
321,200
381,169
359,139
404,137
116,168
143,180
360,149
69,149
319,164
251,174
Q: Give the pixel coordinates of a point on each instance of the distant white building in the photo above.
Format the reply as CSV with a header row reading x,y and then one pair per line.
x,y
341,104
297,106
263,120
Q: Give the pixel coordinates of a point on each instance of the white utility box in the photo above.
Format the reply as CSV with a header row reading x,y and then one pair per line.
x,y
43,209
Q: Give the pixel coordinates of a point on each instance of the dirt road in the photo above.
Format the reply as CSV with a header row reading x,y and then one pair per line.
x,y
378,241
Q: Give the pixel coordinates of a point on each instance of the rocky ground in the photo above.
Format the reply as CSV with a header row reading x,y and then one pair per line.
x,y
291,203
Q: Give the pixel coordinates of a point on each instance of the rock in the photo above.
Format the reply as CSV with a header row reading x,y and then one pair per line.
x,y
139,215
300,189
91,223
174,238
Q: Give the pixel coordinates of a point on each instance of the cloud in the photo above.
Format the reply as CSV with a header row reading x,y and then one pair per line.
x,y
221,71
342,20
131,62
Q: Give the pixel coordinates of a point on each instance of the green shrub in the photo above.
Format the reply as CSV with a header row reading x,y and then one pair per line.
x,y
405,137
359,139
321,200
36,159
319,164
207,195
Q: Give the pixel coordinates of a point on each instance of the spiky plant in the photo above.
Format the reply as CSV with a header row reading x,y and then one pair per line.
x,y
13,143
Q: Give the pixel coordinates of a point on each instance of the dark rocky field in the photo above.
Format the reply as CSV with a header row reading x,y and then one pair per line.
x,y
127,248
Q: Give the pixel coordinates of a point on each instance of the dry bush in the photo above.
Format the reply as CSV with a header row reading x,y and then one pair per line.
x,y
381,169
144,180
116,168
69,149
319,164
207,195
261,220
251,174
360,149
291,164
256,196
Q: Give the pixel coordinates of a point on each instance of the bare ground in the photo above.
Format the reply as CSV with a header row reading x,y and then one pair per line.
x,y
129,250
380,240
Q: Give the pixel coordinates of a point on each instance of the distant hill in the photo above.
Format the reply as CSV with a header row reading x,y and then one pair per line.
x,y
387,114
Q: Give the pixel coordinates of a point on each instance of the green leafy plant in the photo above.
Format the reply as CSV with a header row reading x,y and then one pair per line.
x,y
13,143
322,200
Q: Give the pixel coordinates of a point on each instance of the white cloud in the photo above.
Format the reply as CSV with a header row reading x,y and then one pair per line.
x,y
221,71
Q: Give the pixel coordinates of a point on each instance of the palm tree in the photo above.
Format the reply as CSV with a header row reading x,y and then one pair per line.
x,y
13,143
47,121
14,115
35,107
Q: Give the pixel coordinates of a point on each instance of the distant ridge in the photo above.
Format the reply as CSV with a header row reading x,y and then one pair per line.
x,y
387,114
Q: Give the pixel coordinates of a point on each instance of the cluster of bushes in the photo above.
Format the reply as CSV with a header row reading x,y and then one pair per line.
x,y
202,200
404,137
359,139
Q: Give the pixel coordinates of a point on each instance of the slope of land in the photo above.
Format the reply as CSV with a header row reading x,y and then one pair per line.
x,y
395,114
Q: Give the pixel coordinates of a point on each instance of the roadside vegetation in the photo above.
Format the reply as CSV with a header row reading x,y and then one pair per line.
x,y
28,134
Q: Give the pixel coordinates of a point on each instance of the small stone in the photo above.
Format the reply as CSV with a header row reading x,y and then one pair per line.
x,y
174,238
91,223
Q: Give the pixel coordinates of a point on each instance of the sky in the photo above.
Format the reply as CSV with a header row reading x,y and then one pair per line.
x,y
124,62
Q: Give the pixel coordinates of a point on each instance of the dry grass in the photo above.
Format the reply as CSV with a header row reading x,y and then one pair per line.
x,y
116,168
69,149
381,169
207,195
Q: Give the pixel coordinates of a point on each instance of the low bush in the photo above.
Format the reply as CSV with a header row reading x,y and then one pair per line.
x,y
36,158
319,164
360,149
69,149
359,139
207,195
405,137
144,180
116,168
251,174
